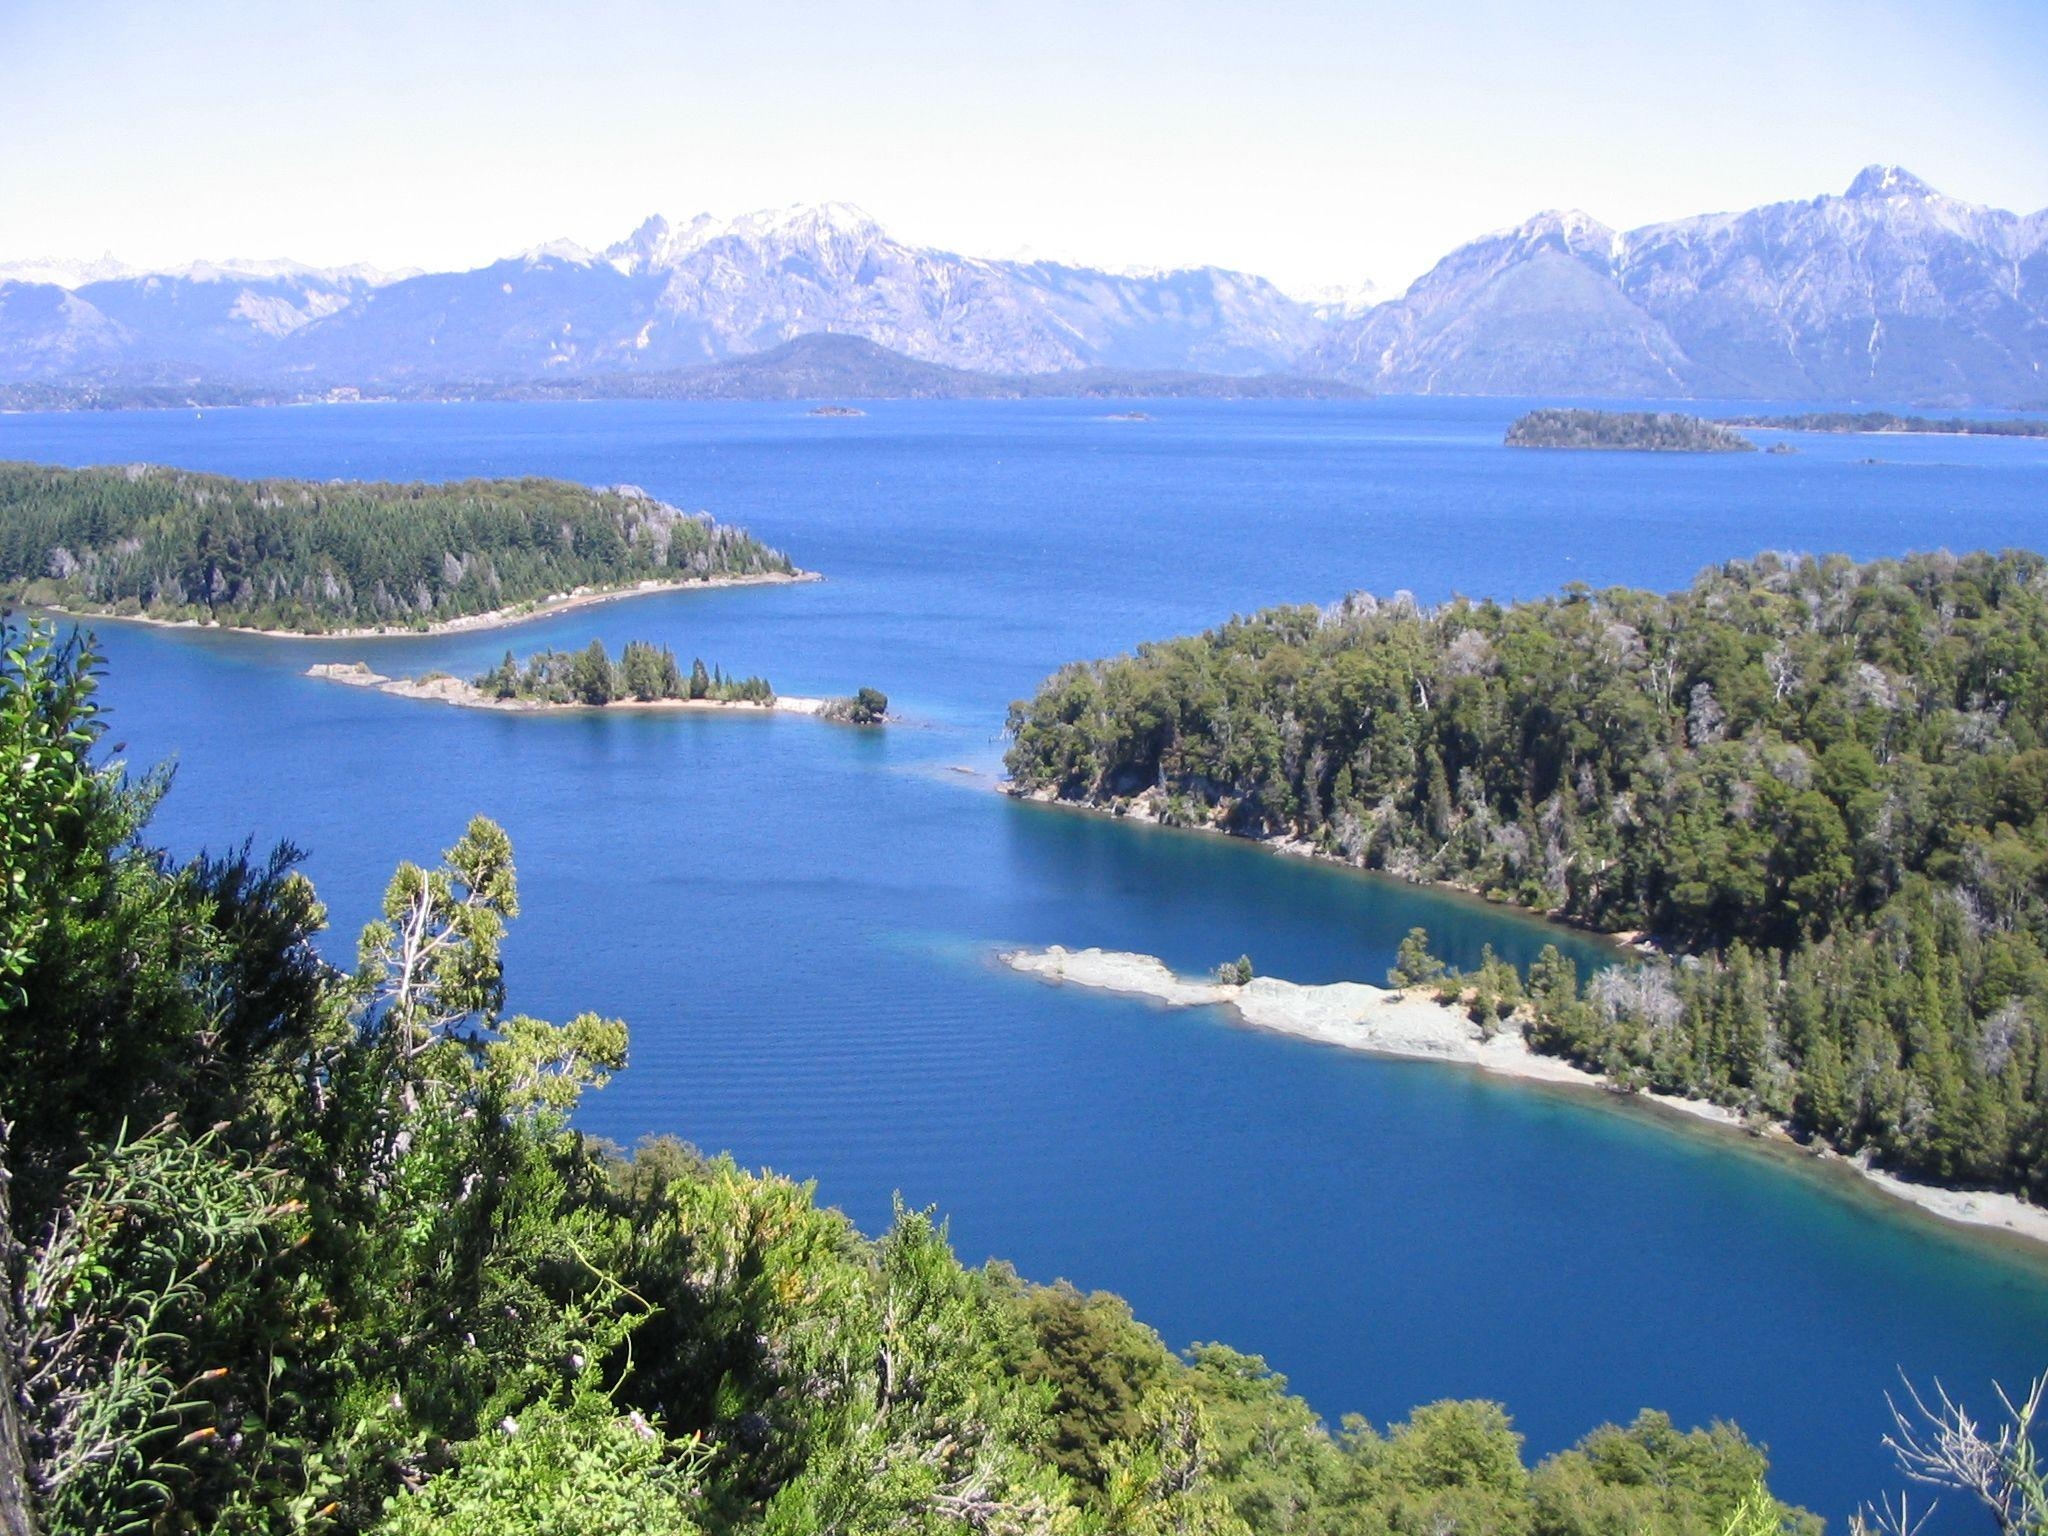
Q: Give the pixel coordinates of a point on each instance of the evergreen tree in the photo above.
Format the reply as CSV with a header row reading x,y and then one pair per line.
x,y
1414,965
592,679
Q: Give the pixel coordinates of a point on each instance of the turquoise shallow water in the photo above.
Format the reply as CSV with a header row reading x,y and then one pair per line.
x,y
798,920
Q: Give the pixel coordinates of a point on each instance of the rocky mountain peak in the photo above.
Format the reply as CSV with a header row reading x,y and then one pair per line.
x,y
1569,229
1885,181
658,245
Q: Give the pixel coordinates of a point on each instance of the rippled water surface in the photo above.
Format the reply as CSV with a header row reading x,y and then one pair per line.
x,y
798,919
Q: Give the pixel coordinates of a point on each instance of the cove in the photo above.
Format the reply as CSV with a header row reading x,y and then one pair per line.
x,y
798,923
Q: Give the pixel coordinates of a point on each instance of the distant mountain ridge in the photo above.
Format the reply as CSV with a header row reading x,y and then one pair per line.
x,y
665,297
822,366
1891,292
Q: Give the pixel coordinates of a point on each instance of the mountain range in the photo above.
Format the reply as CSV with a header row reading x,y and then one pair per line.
x,y
1891,292
823,366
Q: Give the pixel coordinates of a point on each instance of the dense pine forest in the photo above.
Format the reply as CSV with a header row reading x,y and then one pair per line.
x,y
290,1248
1642,431
310,557
1824,785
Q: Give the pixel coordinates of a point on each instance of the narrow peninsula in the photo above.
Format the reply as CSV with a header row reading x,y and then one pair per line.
x,y
644,676
1456,1020
342,558
1633,431
1822,785
1878,422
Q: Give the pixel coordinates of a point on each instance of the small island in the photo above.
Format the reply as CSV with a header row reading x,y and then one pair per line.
x,y
1632,431
336,558
837,410
644,676
1890,421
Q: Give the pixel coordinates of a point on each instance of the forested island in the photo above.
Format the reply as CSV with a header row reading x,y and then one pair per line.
x,y
295,1248
644,675
309,557
1639,431
1888,421
1822,786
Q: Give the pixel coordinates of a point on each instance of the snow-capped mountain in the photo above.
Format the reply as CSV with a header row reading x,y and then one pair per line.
x,y
665,296
109,269
66,274
1891,291
670,296
207,321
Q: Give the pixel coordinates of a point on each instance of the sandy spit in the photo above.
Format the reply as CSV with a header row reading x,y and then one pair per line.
x,y
1346,1013
1413,1024
466,695
497,618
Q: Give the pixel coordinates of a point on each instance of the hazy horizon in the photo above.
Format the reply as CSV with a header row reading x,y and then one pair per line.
x,y
1325,145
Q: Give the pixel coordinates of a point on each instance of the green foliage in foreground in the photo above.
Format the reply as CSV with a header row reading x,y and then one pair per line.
x,y
1648,431
1826,781
644,673
310,556
299,1250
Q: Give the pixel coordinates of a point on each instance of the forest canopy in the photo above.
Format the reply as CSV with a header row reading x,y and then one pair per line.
x,y
1823,783
287,1247
309,556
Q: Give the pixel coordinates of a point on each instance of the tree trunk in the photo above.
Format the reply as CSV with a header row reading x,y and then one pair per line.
x,y
16,1519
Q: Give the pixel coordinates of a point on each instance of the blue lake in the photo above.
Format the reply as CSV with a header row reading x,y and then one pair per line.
x,y
798,920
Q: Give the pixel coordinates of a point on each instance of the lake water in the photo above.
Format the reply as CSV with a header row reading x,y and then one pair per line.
x,y
798,920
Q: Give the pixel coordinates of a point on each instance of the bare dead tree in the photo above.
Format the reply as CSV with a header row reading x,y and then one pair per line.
x,y
1942,1445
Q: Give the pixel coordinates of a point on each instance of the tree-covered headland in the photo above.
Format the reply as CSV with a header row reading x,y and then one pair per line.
x,y
311,557
1822,785
286,1247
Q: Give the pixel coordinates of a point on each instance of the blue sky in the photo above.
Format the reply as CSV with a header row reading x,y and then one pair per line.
x,y
1318,142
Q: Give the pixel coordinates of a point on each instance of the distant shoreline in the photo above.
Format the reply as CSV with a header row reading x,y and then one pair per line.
x,y
496,618
1894,424
1412,1024
466,695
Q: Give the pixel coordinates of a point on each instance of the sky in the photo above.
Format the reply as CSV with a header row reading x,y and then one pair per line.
x,y
1318,143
